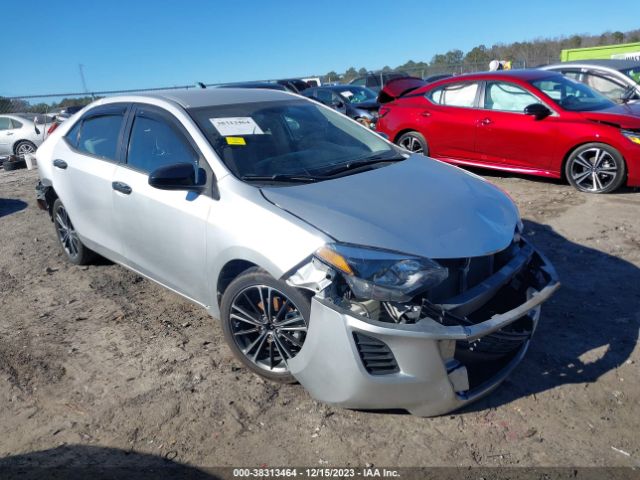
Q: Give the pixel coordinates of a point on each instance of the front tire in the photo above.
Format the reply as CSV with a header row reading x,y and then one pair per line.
x,y
413,142
596,168
71,245
265,323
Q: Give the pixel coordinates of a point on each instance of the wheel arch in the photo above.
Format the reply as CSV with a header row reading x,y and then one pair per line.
x,y
402,132
228,273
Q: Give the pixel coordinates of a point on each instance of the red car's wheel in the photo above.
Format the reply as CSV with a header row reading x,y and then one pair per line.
x,y
595,168
414,142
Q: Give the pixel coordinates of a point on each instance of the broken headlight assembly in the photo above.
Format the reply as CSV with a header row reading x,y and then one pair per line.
x,y
382,275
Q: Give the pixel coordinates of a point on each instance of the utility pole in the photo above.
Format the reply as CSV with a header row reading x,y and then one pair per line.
x,y
84,82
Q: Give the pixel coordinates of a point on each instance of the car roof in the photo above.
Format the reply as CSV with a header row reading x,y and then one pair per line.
x,y
615,64
207,97
524,74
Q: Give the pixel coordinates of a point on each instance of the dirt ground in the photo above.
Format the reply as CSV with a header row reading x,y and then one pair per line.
x,y
98,359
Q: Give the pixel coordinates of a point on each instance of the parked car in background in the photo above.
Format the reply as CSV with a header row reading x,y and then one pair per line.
x,y
22,133
619,80
376,80
376,278
359,103
266,85
295,85
60,115
535,122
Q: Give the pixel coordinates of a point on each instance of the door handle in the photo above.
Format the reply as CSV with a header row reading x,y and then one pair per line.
x,y
486,121
60,164
9,134
426,114
121,187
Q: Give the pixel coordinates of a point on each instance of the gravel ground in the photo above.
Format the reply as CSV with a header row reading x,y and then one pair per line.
x,y
97,359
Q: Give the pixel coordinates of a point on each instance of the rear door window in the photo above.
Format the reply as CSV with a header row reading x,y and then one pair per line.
x,y
5,123
457,95
155,142
99,136
605,85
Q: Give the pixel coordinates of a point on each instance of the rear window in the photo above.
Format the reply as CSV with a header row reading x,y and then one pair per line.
x,y
99,136
458,95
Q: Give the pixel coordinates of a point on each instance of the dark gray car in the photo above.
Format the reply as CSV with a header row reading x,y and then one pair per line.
x,y
359,103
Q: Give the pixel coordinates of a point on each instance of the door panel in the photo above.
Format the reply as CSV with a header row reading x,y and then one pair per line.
x,y
448,120
7,135
84,165
163,232
84,187
505,135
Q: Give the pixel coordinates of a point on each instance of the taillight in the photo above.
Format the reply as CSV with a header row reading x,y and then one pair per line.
x,y
53,126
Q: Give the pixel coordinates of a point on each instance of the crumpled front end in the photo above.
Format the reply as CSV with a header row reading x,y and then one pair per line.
x,y
434,354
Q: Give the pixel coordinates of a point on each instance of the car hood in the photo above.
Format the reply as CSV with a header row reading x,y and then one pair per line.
x,y
418,206
626,115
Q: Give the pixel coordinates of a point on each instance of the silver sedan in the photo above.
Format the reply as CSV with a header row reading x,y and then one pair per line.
x,y
20,134
376,278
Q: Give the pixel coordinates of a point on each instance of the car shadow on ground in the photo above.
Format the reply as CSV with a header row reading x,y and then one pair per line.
x,y
84,461
11,205
590,327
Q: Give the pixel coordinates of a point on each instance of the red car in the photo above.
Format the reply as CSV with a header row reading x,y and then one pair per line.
x,y
527,121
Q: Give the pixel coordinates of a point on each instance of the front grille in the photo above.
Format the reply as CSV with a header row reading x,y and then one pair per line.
x,y
376,355
466,273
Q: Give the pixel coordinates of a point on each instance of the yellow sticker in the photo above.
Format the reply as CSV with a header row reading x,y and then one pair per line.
x,y
235,141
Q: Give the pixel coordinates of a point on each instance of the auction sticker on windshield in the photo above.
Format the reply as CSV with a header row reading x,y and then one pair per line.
x,y
236,126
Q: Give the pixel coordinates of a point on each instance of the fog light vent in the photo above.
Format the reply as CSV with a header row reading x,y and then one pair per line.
x,y
376,356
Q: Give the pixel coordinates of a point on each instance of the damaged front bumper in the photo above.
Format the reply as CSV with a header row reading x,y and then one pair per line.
x,y
455,353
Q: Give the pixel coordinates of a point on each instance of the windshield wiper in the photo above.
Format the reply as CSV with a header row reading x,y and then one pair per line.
x,y
360,163
278,177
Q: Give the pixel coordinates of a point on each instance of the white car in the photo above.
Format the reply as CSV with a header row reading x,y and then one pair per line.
x,y
376,278
20,134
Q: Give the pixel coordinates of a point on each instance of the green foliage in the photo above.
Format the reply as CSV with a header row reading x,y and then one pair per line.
x,y
530,53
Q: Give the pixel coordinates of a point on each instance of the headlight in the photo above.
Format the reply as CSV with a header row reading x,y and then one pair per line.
x,y
633,136
381,274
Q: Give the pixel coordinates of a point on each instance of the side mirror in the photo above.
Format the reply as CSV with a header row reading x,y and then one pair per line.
x,y
35,125
179,176
537,110
338,104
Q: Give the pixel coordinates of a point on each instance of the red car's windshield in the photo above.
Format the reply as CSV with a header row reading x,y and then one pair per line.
x,y
572,95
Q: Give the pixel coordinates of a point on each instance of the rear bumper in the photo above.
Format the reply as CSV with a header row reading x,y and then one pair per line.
x,y
440,366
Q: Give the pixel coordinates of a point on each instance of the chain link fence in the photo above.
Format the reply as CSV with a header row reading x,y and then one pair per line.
x,y
53,103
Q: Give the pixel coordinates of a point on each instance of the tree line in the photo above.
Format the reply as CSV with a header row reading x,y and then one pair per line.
x,y
532,53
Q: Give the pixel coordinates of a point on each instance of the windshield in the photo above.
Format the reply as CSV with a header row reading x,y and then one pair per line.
x,y
633,73
357,95
572,95
286,138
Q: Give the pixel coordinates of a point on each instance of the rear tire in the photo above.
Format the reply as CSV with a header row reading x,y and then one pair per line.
x,y
413,142
263,339
23,147
73,248
595,168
